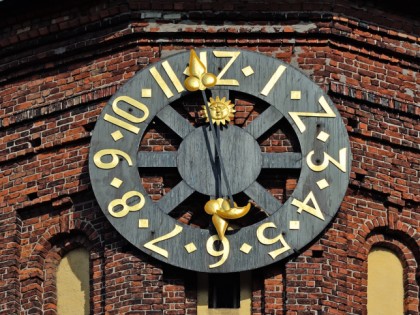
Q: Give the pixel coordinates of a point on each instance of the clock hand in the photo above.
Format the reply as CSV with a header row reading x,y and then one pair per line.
x,y
218,170
219,153
200,79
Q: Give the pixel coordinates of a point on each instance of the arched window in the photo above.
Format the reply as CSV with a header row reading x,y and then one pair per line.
x,y
73,283
385,292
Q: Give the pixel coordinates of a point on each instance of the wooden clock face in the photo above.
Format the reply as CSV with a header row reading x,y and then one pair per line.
x,y
322,161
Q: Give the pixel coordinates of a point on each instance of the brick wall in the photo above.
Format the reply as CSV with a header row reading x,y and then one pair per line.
x,y
60,63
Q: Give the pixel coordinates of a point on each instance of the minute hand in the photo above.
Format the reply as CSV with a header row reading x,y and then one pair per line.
x,y
222,167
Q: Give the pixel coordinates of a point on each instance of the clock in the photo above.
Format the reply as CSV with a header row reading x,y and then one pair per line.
x,y
220,160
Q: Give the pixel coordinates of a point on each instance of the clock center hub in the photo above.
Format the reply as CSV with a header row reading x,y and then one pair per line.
x,y
199,165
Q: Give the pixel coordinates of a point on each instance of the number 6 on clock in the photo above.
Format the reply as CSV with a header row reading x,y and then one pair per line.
x,y
216,253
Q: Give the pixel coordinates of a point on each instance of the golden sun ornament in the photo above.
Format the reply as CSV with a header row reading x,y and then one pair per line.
x,y
221,110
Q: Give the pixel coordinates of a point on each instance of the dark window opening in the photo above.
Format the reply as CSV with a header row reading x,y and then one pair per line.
x,y
360,177
35,142
317,253
32,196
224,290
353,123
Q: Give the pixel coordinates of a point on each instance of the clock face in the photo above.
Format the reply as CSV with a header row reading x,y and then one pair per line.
x,y
215,161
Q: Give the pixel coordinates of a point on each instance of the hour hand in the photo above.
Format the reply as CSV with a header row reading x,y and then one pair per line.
x,y
198,78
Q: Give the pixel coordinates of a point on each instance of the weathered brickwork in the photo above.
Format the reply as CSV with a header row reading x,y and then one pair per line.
x,y
59,65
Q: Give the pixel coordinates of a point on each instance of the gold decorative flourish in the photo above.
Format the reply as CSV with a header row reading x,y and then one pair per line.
x,y
199,78
221,212
221,110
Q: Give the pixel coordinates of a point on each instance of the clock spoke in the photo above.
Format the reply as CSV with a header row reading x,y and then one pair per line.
x,y
289,160
156,159
264,122
175,121
175,197
263,198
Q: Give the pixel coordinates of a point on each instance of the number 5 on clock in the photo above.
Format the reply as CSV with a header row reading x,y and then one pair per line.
x,y
268,241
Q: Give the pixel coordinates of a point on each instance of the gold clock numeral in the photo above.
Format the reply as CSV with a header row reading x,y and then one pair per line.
x,y
303,206
123,124
341,164
162,84
324,104
163,252
269,241
114,153
172,76
233,55
130,101
226,54
123,206
217,253
203,58
273,80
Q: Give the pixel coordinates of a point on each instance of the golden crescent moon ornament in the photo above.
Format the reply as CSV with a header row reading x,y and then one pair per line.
x,y
221,212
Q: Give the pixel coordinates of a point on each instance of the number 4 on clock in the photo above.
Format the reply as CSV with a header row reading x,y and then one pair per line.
x,y
303,206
